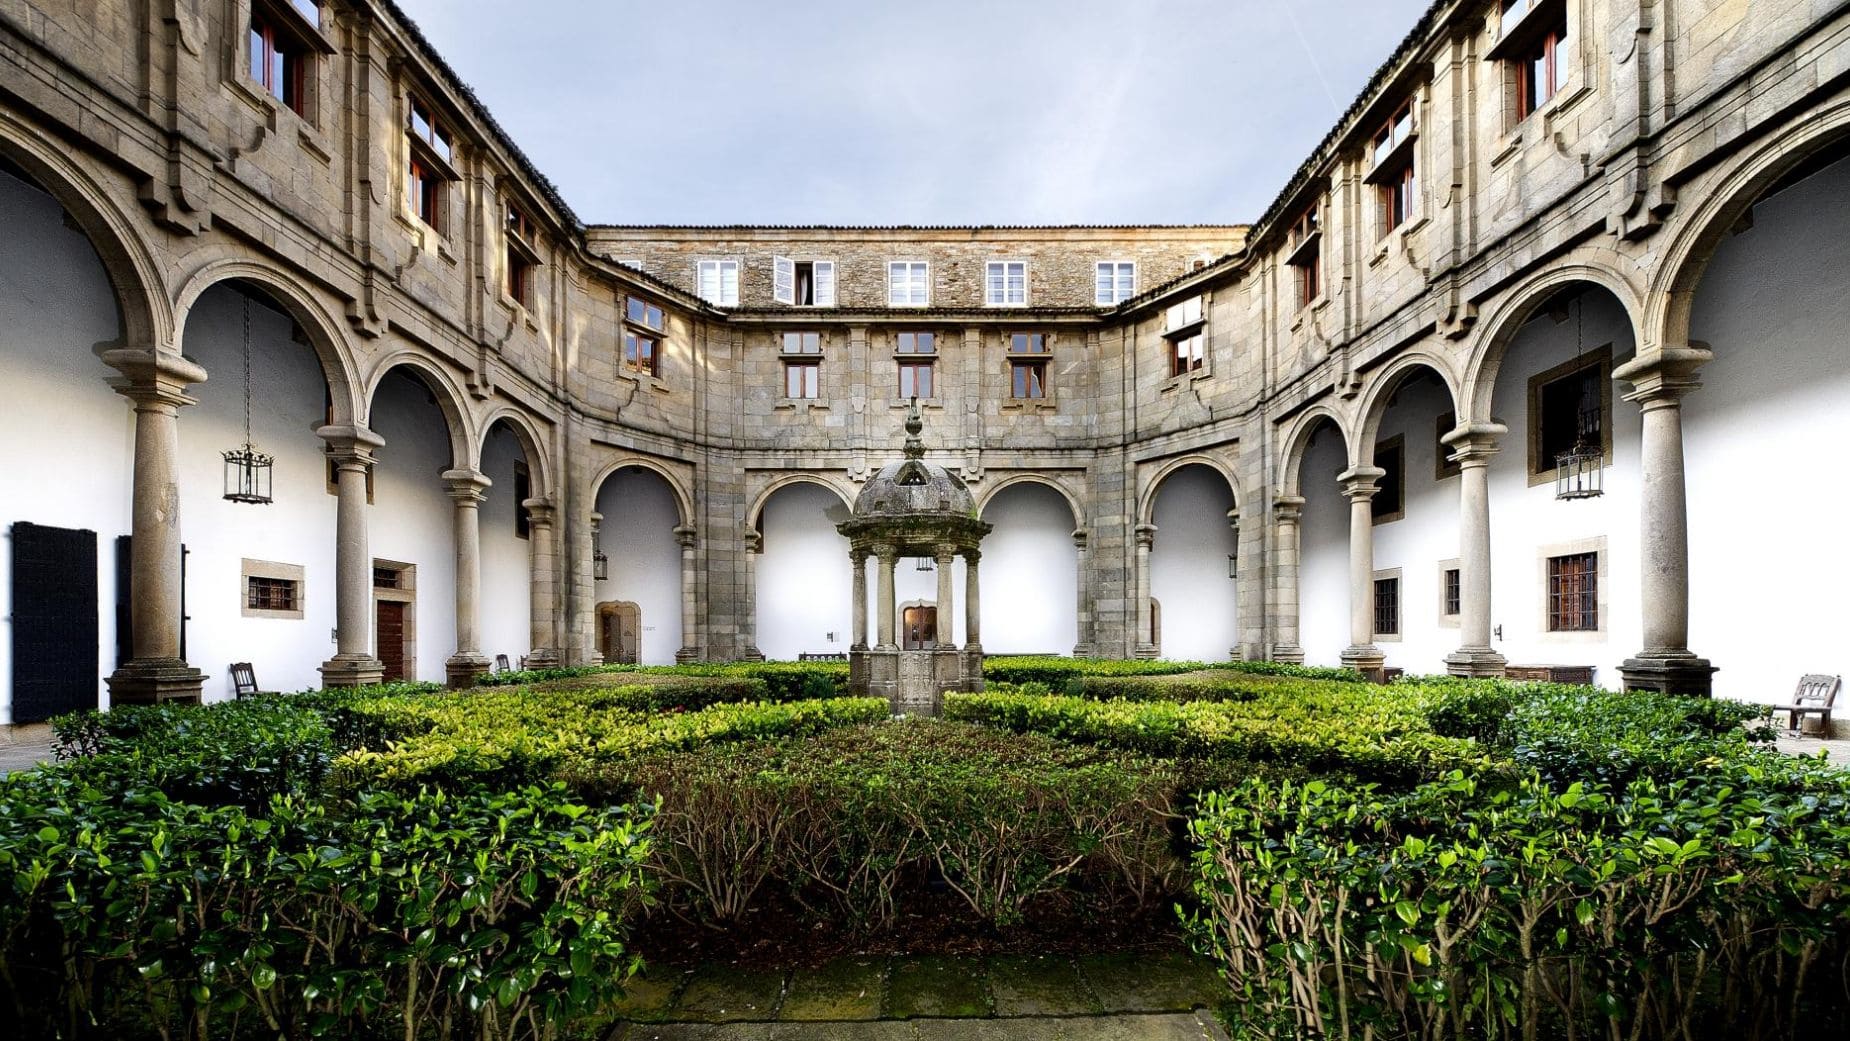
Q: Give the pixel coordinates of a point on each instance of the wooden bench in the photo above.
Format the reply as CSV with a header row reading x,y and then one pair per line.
x,y
1578,674
1815,695
821,656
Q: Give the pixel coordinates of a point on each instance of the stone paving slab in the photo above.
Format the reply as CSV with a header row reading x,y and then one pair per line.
x,y
727,993
1040,985
1175,1026
937,985
24,746
845,989
1164,982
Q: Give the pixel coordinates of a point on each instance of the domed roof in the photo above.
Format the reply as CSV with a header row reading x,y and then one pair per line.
x,y
913,487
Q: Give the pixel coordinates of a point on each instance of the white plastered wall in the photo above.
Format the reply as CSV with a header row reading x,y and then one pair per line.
x,y
507,571
1427,532
1029,574
640,516
805,582
410,521
1323,551
66,439
1188,566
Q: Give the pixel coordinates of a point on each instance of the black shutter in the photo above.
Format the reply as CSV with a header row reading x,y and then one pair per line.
x,y
54,621
125,630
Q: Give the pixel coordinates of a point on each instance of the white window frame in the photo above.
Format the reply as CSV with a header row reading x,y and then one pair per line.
x,y
718,266
1116,272
902,294
989,299
784,281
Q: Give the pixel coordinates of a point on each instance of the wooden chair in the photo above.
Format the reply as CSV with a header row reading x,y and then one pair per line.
x,y
1815,696
501,663
244,680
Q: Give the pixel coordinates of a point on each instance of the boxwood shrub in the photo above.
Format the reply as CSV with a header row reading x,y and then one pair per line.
x,y
1056,671
783,680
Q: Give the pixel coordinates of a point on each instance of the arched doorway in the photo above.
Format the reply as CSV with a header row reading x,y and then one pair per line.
x,y
507,532
804,578
1189,564
1029,572
1323,570
639,515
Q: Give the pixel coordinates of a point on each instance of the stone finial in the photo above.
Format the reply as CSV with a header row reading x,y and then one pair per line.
x,y
915,425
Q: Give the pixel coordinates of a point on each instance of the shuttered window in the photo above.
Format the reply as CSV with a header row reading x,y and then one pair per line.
x,y
1573,593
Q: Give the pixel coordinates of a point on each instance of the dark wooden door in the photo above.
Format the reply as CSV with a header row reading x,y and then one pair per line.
x,y
55,656
389,636
921,628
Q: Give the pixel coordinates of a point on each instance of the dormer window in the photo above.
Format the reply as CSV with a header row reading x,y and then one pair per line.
x,y
803,283
522,254
430,167
1305,256
282,50
1392,169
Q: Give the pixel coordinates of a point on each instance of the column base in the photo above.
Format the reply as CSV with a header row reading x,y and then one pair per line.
x,y
1144,650
1365,659
543,658
1476,663
362,670
1669,672
1288,652
687,655
460,670
1085,650
751,653
150,681
1236,654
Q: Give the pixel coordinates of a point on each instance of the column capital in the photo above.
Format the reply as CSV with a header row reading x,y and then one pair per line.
x,y
943,553
1473,444
1145,535
971,556
686,535
153,377
351,444
886,551
1661,377
1080,537
1288,508
754,542
1233,519
1361,482
467,487
540,512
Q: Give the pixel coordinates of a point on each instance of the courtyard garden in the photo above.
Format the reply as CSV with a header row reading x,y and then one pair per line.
x,y
554,852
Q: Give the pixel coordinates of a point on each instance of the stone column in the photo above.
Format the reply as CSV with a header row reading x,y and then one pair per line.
x,y
1233,575
1083,616
973,605
543,558
748,618
883,597
1146,541
858,556
155,381
1659,381
1287,511
690,644
467,490
1359,485
1473,445
354,663
946,635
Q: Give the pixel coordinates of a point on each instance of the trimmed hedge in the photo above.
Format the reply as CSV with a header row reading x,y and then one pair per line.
x,y
784,681
1056,671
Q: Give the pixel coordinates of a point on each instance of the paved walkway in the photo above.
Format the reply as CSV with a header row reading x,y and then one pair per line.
x,y
1160,996
24,747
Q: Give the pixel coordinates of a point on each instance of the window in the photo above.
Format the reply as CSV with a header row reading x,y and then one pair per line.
x,y
1444,466
1389,503
1181,316
280,56
802,343
425,190
424,127
717,282
1387,607
1028,357
1533,48
271,594
1454,594
523,490
387,577
1573,593
1306,257
915,343
521,255
429,168
915,379
1006,283
1391,161
908,283
1116,282
803,283
802,379
642,336
1187,354
1566,403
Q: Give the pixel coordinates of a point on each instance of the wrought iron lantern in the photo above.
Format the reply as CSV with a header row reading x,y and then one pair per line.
x,y
247,471
600,565
1580,472
1233,565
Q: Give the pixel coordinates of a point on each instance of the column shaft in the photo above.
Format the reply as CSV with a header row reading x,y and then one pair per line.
x,y
690,645
1473,445
353,663
1286,513
946,633
1359,484
1145,643
543,563
1082,616
748,618
884,600
973,604
467,490
859,558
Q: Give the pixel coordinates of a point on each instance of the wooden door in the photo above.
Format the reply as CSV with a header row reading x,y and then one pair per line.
x,y
54,621
619,632
389,637
921,628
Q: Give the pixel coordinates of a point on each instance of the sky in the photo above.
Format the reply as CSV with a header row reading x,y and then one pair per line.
x,y
939,112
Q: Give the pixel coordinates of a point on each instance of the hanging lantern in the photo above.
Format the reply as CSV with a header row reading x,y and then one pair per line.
x,y
1580,472
247,471
600,565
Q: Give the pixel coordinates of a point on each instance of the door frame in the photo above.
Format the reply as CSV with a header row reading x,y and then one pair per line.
x,y
406,592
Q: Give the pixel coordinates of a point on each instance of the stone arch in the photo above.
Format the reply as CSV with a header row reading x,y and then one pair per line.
x,y
1730,196
1146,512
1297,440
532,446
1518,306
320,327
684,502
465,441
1381,390
1072,501
756,514
140,291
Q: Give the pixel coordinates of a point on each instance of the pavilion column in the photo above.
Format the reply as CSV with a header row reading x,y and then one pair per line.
x,y
1287,512
883,597
543,559
748,618
1359,485
467,490
973,604
1146,541
690,643
1083,616
859,558
155,381
1659,380
354,663
946,634
1233,574
1473,445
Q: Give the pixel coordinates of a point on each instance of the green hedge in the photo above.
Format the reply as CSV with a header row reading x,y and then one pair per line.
x,y
1056,671
785,681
